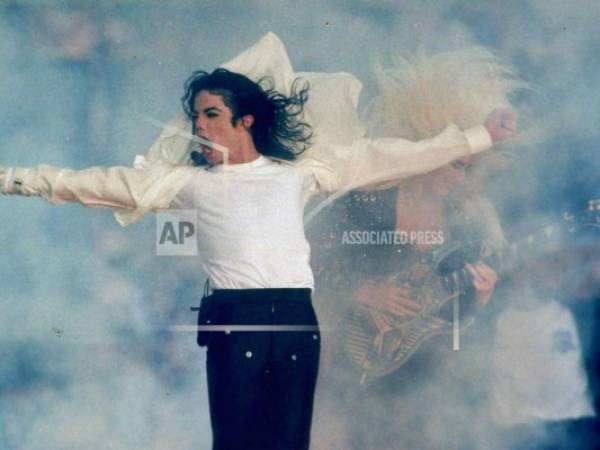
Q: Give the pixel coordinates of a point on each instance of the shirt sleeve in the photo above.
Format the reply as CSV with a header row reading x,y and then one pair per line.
x,y
101,187
185,197
376,163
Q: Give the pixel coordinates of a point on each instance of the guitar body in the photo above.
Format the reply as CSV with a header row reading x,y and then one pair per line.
x,y
380,342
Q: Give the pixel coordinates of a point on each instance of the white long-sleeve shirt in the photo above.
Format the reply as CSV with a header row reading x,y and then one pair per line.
x,y
250,216
249,224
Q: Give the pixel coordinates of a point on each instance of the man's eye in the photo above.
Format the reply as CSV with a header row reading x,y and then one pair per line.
x,y
211,114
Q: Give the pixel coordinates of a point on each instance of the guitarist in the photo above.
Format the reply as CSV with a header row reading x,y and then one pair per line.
x,y
435,399
401,402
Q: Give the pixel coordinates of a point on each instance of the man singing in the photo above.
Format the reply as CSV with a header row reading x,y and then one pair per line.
x,y
249,199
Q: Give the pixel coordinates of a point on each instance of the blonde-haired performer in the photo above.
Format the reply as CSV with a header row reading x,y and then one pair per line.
x,y
249,198
380,240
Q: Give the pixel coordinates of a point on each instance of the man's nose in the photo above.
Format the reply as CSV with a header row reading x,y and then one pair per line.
x,y
199,124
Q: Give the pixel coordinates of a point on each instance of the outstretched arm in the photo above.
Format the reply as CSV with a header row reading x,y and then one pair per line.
x,y
109,187
97,187
381,161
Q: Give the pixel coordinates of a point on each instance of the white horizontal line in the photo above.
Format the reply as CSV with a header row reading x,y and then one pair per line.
x,y
194,328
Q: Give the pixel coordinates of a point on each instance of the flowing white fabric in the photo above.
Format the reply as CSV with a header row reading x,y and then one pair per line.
x,y
331,110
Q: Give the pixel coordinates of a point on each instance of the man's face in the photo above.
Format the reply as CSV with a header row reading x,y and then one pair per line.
x,y
213,123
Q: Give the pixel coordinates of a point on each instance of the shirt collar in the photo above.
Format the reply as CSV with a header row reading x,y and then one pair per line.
x,y
261,161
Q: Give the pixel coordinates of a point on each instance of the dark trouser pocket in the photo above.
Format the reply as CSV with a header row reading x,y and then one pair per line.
x,y
204,321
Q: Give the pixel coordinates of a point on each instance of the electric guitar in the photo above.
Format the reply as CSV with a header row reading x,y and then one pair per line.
x,y
380,342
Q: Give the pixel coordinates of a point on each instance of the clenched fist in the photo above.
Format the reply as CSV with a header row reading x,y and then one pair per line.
x,y
501,123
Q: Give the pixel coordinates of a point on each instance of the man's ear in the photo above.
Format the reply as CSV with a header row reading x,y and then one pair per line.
x,y
247,121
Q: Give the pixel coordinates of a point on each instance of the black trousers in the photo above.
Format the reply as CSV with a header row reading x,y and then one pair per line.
x,y
261,382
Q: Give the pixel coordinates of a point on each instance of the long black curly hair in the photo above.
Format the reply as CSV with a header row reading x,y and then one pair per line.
x,y
278,129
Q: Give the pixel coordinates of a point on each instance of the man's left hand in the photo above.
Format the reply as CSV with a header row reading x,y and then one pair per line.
x,y
501,123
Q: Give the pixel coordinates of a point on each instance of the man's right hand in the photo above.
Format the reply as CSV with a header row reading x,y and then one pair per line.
x,y
4,173
387,296
11,180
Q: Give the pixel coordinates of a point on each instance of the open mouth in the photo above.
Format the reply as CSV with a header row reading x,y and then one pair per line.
x,y
203,140
209,148
205,144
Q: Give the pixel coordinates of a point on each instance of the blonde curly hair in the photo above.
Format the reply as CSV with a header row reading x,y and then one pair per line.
x,y
419,97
